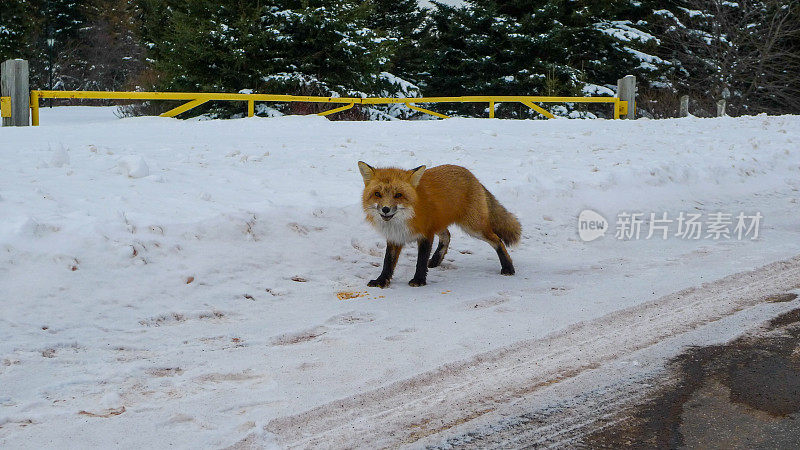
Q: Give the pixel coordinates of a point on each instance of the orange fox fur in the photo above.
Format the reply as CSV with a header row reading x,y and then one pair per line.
x,y
417,204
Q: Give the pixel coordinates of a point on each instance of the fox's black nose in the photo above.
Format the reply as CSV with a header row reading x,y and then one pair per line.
x,y
385,210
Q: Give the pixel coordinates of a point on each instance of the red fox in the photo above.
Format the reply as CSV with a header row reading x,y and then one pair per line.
x,y
414,205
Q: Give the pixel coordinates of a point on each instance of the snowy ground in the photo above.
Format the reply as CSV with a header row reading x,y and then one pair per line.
x,y
167,282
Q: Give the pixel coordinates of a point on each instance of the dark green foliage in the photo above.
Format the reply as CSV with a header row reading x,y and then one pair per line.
x,y
319,47
26,26
708,48
16,27
400,22
523,47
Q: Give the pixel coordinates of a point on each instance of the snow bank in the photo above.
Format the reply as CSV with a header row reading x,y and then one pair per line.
x,y
228,287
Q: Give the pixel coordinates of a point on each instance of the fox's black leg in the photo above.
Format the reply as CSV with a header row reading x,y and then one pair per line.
x,y
441,249
389,262
506,266
421,274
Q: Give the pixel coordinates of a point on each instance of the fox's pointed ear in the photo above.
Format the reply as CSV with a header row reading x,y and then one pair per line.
x,y
416,174
366,171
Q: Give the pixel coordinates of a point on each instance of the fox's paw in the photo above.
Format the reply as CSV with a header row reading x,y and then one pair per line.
x,y
380,282
507,271
415,282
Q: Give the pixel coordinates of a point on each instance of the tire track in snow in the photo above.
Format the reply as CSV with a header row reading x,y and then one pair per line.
x,y
406,411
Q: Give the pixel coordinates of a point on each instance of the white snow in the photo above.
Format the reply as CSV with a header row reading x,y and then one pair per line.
x,y
60,157
134,166
227,288
694,12
624,31
429,4
595,89
669,15
647,61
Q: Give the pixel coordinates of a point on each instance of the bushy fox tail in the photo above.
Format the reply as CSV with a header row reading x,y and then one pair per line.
x,y
504,224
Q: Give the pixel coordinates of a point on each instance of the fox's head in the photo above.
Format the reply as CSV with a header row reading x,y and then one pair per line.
x,y
389,192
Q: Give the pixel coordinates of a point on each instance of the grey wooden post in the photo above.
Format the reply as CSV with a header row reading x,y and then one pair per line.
x,y
721,108
684,111
14,84
626,90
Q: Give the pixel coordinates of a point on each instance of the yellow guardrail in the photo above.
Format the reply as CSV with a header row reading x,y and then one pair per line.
x,y
197,99
5,106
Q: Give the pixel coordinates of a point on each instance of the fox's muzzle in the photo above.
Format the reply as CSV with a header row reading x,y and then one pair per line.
x,y
387,212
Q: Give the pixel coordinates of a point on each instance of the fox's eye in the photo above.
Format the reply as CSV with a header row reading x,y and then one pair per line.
x,y
398,195
377,194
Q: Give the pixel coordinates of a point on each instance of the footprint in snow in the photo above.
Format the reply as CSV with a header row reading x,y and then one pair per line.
x,y
366,249
244,375
175,318
484,302
299,337
165,372
299,229
351,318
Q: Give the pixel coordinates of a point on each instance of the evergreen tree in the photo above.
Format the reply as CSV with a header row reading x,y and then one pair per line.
x,y
400,22
315,47
473,51
28,27
326,47
744,51
547,47
58,23
319,47
64,18
16,25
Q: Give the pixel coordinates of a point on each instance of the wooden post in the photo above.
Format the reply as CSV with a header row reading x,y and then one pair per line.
x,y
721,108
684,111
626,90
14,84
